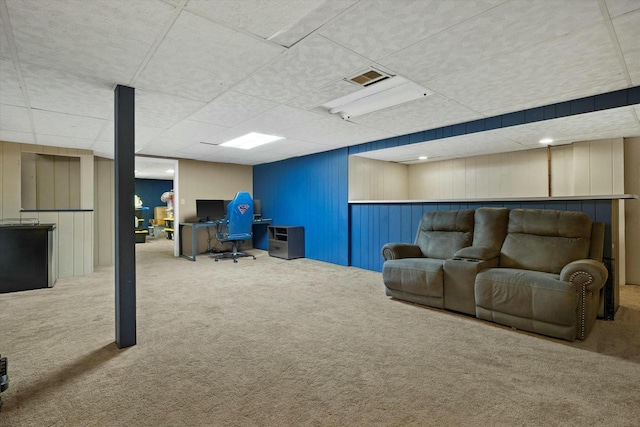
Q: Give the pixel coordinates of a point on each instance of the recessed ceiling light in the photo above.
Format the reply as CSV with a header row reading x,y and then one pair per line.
x,y
422,158
169,171
546,141
251,140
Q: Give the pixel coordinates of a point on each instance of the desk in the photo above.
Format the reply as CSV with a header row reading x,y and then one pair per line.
x,y
194,233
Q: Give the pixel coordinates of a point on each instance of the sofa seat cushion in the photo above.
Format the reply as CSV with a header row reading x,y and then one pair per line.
x,y
418,276
526,294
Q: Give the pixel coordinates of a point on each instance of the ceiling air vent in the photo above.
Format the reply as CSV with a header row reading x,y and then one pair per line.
x,y
369,77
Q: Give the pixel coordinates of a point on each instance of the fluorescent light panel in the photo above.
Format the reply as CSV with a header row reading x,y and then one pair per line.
x,y
394,91
251,140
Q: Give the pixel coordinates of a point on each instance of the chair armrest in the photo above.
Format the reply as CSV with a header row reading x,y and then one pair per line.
x,y
483,253
587,272
401,250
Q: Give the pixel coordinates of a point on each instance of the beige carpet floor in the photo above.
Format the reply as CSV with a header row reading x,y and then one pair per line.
x,y
269,342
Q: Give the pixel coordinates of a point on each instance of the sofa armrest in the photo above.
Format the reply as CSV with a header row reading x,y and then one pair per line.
x,y
401,250
482,253
587,272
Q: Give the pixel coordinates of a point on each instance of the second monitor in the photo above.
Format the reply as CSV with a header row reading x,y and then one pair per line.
x,y
210,210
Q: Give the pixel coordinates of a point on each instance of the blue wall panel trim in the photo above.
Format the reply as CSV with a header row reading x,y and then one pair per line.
x,y
311,191
416,137
513,119
150,190
374,225
475,126
588,104
534,115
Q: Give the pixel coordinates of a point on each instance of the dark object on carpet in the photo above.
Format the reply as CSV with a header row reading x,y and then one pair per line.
x,y
4,378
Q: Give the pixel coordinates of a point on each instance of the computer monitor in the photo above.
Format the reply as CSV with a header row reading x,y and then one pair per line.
x,y
210,210
257,209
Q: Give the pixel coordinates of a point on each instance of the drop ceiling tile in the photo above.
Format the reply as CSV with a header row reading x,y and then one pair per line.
x,y
64,141
379,28
313,20
422,114
5,51
560,69
441,149
153,168
14,118
261,18
10,92
163,146
310,126
323,95
614,122
187,66
310,64
340,134
492,149
272,122
232,108
162,110
258,158
189,130
627,29
56,90
286,147
463,146
511,26
618,7
13,136
105,39
102,149
291,147
217,158
143,134
199,149
67,125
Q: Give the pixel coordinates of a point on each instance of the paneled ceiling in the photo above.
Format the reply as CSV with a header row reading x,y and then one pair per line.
x,y
212,70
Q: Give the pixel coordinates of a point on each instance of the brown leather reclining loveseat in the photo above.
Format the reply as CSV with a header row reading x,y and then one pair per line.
x,y
535,270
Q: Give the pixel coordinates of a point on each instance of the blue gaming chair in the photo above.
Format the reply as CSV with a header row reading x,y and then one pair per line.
x,y
236,226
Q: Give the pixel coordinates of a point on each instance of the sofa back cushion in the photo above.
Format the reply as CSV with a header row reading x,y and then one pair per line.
x,y
490,227
545,240
442,233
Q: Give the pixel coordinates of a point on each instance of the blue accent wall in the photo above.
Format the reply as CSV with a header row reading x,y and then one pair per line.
x,y
311,191
373,225
150,190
